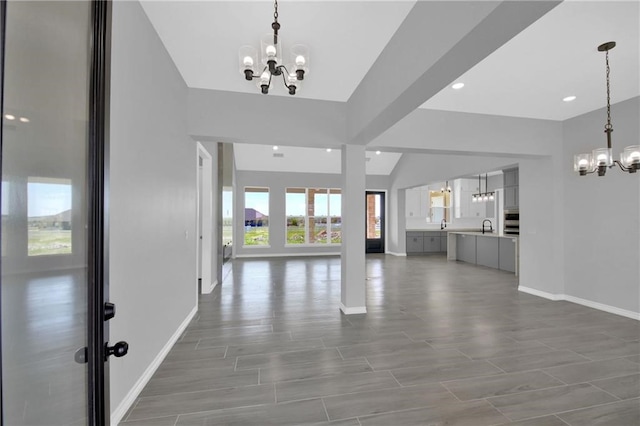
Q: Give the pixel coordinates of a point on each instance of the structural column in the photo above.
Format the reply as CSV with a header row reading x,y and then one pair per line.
x,y
353,290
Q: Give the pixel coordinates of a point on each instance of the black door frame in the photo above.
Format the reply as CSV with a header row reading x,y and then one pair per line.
x,y
372,245
98,412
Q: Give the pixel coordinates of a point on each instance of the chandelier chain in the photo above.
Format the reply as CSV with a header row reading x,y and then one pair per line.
x,y
275,11
608,125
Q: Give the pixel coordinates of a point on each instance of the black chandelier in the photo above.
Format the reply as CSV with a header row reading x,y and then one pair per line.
x,y
483,196
602,158
271,59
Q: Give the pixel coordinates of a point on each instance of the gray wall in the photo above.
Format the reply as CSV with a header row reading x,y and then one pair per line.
x,y
602,214
152,202
277,183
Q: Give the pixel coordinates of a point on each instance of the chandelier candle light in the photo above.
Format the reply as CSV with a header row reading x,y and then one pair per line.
x,y
602,158
271,59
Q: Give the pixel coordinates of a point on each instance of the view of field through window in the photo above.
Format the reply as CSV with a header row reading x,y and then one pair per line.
x,y
48,216
256,216
313,216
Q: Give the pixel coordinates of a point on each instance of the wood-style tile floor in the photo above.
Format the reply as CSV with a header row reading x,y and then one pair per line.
x,y
442,343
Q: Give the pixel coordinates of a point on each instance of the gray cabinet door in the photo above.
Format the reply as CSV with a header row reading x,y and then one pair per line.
x,y
510,197
444,243
510,177
431,242
414,245
487,251
507,254
466,248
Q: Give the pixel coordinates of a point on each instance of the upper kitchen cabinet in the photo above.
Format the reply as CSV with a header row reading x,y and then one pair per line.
x,y
511,189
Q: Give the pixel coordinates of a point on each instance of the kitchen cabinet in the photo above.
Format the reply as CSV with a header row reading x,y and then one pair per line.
x,y
487,251
431,242
507,247
424,242
511,189
490,250
415,244
466,248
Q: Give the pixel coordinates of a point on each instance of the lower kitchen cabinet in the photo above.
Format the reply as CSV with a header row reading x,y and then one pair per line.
x,y
466,248
415,242
487,251
507,254
425,242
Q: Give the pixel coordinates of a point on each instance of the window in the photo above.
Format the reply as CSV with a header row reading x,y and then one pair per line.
x,y
49,216
256,216
4,205
440,203
313,216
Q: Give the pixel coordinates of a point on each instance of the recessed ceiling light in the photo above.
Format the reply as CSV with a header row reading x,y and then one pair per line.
x,y
10,117
328,149
24,119
275,147
457,86
569,98
377,152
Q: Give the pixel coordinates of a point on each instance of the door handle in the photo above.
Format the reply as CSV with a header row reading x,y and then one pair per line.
x,y
118,350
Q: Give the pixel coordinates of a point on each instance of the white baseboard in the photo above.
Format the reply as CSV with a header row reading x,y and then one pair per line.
x,y
540,293
285,255
396,254
603,307
209,289
129,399
353,310
584,302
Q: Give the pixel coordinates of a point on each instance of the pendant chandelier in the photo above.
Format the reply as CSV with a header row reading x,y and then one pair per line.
x,y
271,61
602,158
483,196
445,188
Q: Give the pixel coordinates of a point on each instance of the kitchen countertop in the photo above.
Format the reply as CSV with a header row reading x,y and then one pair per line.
x,y
486,234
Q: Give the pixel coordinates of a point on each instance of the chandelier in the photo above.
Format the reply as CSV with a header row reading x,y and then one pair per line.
x,y
271,61
483,196
602,158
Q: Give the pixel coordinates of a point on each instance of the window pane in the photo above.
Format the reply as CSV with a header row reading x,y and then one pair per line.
x,y
256,216
295,212
49,216
373,216
318,230
335,212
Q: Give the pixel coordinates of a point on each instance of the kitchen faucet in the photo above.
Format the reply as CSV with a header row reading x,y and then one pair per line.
x,y
443,224
490,225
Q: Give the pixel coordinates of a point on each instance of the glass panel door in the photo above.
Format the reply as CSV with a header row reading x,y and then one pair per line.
x,y
47,249
375,222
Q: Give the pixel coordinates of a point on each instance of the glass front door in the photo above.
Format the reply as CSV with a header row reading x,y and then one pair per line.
x,y
375,222
51,286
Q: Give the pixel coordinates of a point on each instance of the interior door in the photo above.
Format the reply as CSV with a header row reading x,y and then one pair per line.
x,y
375,221
53,311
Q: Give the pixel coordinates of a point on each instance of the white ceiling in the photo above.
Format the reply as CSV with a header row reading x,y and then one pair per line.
x,y
344,39
555,57
527,77
308,160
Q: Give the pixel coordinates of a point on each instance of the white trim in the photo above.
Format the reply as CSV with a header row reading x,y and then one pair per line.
x,y
584,302
287,254
207,290
353,310
540,293
396,254
314,245
603,307
129,399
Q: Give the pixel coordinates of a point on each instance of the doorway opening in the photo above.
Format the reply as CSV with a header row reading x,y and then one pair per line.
x,y
204,220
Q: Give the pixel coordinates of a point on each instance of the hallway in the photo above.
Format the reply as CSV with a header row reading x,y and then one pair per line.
x,y
442,343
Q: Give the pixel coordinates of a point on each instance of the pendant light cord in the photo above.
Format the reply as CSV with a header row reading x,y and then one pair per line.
x,y
275,12
608,126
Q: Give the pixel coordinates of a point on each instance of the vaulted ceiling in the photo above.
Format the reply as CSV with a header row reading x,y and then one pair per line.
x,y
385,59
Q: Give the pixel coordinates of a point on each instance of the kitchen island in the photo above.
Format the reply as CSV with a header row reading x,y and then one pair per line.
x,y
489,249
